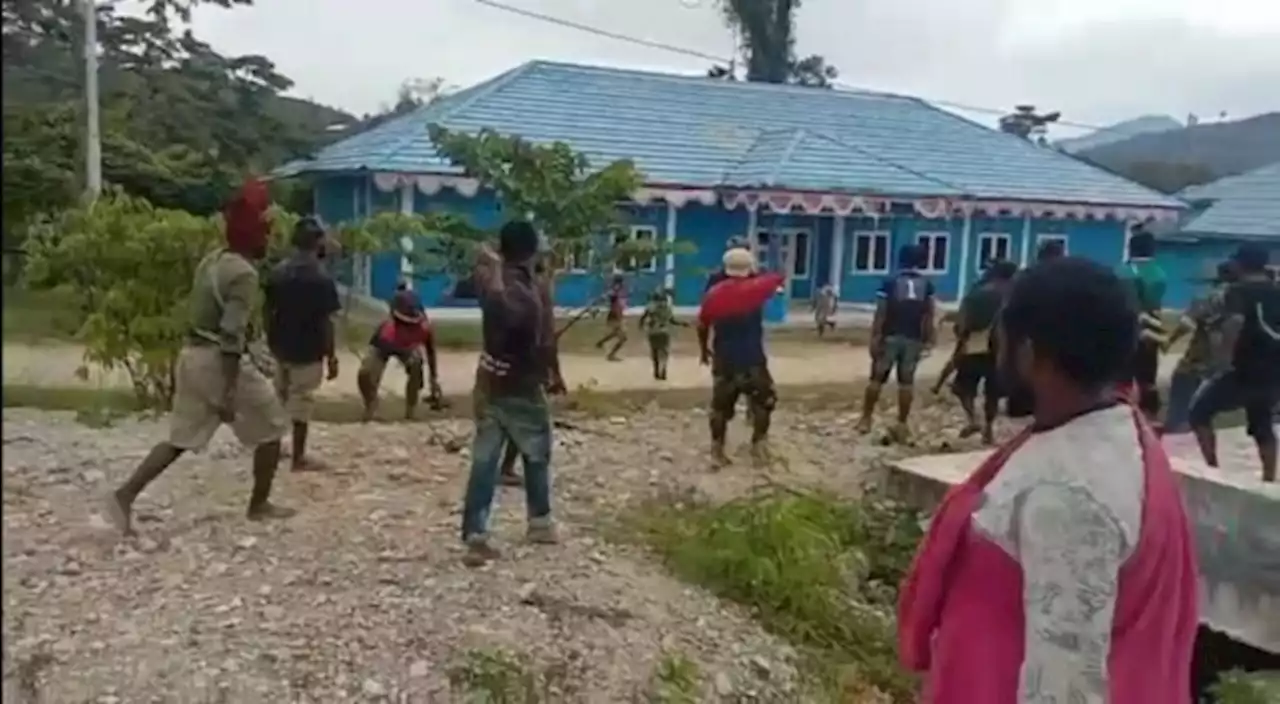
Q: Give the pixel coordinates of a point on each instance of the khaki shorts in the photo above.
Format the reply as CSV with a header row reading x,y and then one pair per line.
x,y
259,417
296,385
374,365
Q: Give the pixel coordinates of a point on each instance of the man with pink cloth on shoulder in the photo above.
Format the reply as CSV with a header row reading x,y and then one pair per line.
x,y
1064,568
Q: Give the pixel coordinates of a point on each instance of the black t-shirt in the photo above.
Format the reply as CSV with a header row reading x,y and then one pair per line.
x,y
715,278
908,299
300,298
1257,353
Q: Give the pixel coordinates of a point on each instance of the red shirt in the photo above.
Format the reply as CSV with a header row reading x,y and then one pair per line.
x,y
395,336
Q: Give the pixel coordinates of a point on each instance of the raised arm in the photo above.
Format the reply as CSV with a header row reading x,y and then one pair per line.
x,y
1071,548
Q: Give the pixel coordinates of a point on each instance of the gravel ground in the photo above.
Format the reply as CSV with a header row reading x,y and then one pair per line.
x,y
362,596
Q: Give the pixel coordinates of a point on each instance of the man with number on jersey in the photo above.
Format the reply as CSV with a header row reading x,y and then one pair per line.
x,y
901,334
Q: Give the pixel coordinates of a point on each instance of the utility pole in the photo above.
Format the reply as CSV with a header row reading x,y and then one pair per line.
x,y
93,132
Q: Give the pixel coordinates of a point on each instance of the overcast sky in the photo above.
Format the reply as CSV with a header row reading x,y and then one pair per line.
x,y
1098,61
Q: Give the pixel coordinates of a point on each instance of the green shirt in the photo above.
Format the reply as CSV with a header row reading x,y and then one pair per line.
x,y
1207,314
222,300
658,318
1149,283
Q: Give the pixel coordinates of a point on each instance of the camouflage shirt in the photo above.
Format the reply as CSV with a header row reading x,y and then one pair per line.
x,y
1207,315
658,318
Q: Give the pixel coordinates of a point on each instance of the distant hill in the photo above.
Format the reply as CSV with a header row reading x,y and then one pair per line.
x,y
1220,148
1147,124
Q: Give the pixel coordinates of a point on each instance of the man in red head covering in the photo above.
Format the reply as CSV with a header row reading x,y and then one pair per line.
x,y
406,336
215,381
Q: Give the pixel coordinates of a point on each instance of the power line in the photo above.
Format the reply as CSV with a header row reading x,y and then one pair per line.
x,y
694,53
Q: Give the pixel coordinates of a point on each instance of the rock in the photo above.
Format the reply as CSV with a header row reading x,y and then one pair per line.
x,y
419,669
723,684
373,688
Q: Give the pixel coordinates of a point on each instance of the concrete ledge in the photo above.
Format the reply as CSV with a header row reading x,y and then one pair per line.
x,y
1235,516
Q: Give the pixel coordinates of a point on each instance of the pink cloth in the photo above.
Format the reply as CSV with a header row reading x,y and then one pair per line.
x,y
960,611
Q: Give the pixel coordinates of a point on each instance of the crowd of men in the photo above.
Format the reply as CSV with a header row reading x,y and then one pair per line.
x,y
1233,361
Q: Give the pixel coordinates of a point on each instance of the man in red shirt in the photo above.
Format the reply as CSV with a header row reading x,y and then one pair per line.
x,y
406,336
617,296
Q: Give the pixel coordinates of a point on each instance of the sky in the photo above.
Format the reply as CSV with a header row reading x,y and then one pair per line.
x,y
1097,61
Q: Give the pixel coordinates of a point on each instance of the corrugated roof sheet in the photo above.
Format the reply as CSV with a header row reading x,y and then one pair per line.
x,y
1247,205
697,131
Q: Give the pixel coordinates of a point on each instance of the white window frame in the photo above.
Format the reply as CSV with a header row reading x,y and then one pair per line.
x,y
652,233
572,265
930,247
874,236
1054,237
1274,270
994,237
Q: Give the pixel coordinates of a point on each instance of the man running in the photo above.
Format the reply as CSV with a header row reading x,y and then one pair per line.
x,y
901,334
1148,283
1203,321
975,352
215,381
734,348
824,309
656,321
517,368
300,302
1250,350
407,337
617,302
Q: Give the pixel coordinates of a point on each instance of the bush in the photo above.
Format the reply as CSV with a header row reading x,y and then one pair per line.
x,y
816,569
1237,687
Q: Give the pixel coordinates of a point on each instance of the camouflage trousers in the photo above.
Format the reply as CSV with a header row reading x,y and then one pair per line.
x,y
728,385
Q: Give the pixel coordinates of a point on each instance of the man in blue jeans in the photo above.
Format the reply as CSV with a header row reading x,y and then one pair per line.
x,y
518,366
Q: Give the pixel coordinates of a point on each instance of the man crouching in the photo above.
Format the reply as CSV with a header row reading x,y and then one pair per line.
x,y
407,337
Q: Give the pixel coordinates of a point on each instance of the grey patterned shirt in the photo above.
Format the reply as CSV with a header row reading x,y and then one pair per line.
x,y
1068,507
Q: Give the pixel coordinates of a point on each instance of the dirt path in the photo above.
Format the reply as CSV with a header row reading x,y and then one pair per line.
x,y
790,364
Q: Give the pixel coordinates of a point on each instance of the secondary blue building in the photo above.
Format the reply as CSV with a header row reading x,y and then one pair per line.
x,y
1223,215
826,184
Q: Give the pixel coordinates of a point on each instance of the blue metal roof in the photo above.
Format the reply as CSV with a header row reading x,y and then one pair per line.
x,y
697,131
1247,205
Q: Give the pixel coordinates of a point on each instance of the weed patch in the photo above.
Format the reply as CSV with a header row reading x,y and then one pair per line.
x,y
819,570
1238,687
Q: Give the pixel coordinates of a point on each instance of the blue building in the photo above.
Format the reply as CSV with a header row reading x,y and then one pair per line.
x,y
826,184
1223,215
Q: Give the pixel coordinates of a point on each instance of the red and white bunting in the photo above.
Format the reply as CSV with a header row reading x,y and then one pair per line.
x,y
679,197
781,202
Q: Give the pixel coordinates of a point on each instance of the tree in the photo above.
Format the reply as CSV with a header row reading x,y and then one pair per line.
x,y
767,28
572,204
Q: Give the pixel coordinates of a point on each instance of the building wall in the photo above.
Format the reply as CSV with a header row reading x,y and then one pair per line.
x,y
1187,263
868,246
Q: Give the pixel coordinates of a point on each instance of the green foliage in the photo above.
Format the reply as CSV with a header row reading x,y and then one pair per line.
x,y
767,31
129,267
181,123
497,676
818,570
676,680
574,204
1237,687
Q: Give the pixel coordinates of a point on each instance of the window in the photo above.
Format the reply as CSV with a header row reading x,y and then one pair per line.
x,y
577,257
796,245
1274,270
1060,239
871,252
646,260
936,250
992,246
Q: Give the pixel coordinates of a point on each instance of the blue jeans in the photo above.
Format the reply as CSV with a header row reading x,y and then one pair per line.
x,y
525,421
1182,388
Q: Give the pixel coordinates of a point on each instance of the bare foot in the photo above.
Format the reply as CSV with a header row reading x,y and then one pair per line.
x,y
970,429
120,514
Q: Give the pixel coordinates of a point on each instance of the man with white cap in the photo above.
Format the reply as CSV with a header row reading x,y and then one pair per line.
x,y
734,348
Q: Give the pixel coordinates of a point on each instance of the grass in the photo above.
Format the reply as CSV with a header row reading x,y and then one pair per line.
x,y
1237,687
675,680
818,570
499,676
